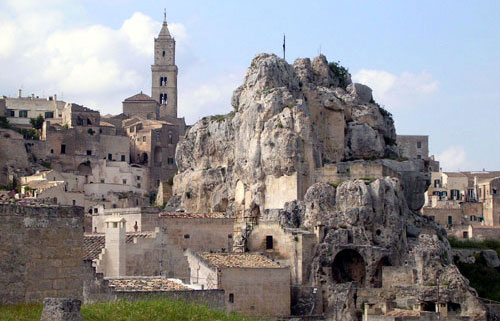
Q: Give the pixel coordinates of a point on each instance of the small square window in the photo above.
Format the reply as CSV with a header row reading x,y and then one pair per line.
x,y
122,158
186,236
124,181
89,152
23,114
12,113
138,178
102,181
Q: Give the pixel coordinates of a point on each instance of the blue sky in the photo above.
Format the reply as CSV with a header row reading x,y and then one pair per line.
x,y
434,64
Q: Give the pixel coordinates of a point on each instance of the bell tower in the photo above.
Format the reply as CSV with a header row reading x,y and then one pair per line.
x,y
164,73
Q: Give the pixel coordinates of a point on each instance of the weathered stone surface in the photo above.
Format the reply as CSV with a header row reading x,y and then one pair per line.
x,y
288,120
61,309
491,258
361,92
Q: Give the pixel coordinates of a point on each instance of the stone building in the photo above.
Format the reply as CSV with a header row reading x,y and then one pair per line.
x,y
254,285
465,203
19,110
152,145
413,146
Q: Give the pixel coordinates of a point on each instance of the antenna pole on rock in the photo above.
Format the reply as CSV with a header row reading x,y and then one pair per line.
x,y
284,47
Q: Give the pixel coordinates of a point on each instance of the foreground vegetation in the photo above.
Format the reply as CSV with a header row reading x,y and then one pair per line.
x,y
147,310
485,279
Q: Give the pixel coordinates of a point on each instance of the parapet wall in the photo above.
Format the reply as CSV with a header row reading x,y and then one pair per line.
x,y
41,250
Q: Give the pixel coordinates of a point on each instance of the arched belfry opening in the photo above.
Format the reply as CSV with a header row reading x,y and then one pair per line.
x,y
349,266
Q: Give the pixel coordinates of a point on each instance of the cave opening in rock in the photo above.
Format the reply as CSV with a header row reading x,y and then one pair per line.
x,y
349,266
377,278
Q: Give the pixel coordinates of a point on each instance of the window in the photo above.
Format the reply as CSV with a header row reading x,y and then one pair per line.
x,y
23,114
163,99
466,235
102,181
186,236
122,158
74,202
419,144
450,220
89,122
419,156
138,178
100,130
231,298
52,151
49,114
143,138
230,236
110,156
11,113
89,152
170,139
269,242
63,149
170,160
138,185
163,53
124,181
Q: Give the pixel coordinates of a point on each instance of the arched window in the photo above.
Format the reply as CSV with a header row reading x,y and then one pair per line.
x,y
165,81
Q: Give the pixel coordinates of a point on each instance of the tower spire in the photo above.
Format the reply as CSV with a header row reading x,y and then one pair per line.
x,y
165,16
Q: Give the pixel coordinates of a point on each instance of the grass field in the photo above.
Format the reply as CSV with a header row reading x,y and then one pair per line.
x,y
147,310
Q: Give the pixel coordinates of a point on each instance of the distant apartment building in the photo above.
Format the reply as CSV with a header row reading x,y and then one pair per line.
x,y
460,200
19,110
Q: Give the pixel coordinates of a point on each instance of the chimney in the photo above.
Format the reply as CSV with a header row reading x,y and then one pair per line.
x,y
55,97
32,96
114,245
20,93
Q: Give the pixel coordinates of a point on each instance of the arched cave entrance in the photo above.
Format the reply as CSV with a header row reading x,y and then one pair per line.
x,y
349,266
157,156
377,278
84,169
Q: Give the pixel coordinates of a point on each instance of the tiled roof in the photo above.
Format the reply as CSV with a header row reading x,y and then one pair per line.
x,y
150,284
239,260
139,97
94,243
192,215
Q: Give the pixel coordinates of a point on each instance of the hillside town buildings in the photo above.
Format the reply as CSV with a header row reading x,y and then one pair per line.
x,y
313,217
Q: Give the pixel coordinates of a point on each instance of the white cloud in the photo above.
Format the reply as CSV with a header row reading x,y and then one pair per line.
x,y
397,91
454,158
94,65
211,97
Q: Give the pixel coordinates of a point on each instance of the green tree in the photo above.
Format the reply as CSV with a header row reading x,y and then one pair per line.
x,y
37,123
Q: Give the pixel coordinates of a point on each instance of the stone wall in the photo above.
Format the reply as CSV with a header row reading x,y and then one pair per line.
x,y
41,250
200,234
257,291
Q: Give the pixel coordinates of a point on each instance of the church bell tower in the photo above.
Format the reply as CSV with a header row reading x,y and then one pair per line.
x,y
164,73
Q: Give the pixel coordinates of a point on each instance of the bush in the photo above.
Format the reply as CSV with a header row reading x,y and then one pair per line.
x,y
340,72
4,122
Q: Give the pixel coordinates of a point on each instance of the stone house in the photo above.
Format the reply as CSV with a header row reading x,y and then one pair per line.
x,y
152,144
254,285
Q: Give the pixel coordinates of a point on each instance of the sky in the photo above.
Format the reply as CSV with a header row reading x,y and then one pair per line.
x,y
435,65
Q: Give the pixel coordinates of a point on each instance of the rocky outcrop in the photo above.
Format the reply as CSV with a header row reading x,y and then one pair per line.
x,y
288,122
61,309
368,226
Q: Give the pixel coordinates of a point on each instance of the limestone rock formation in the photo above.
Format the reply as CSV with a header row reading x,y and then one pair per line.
x,y
288,122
